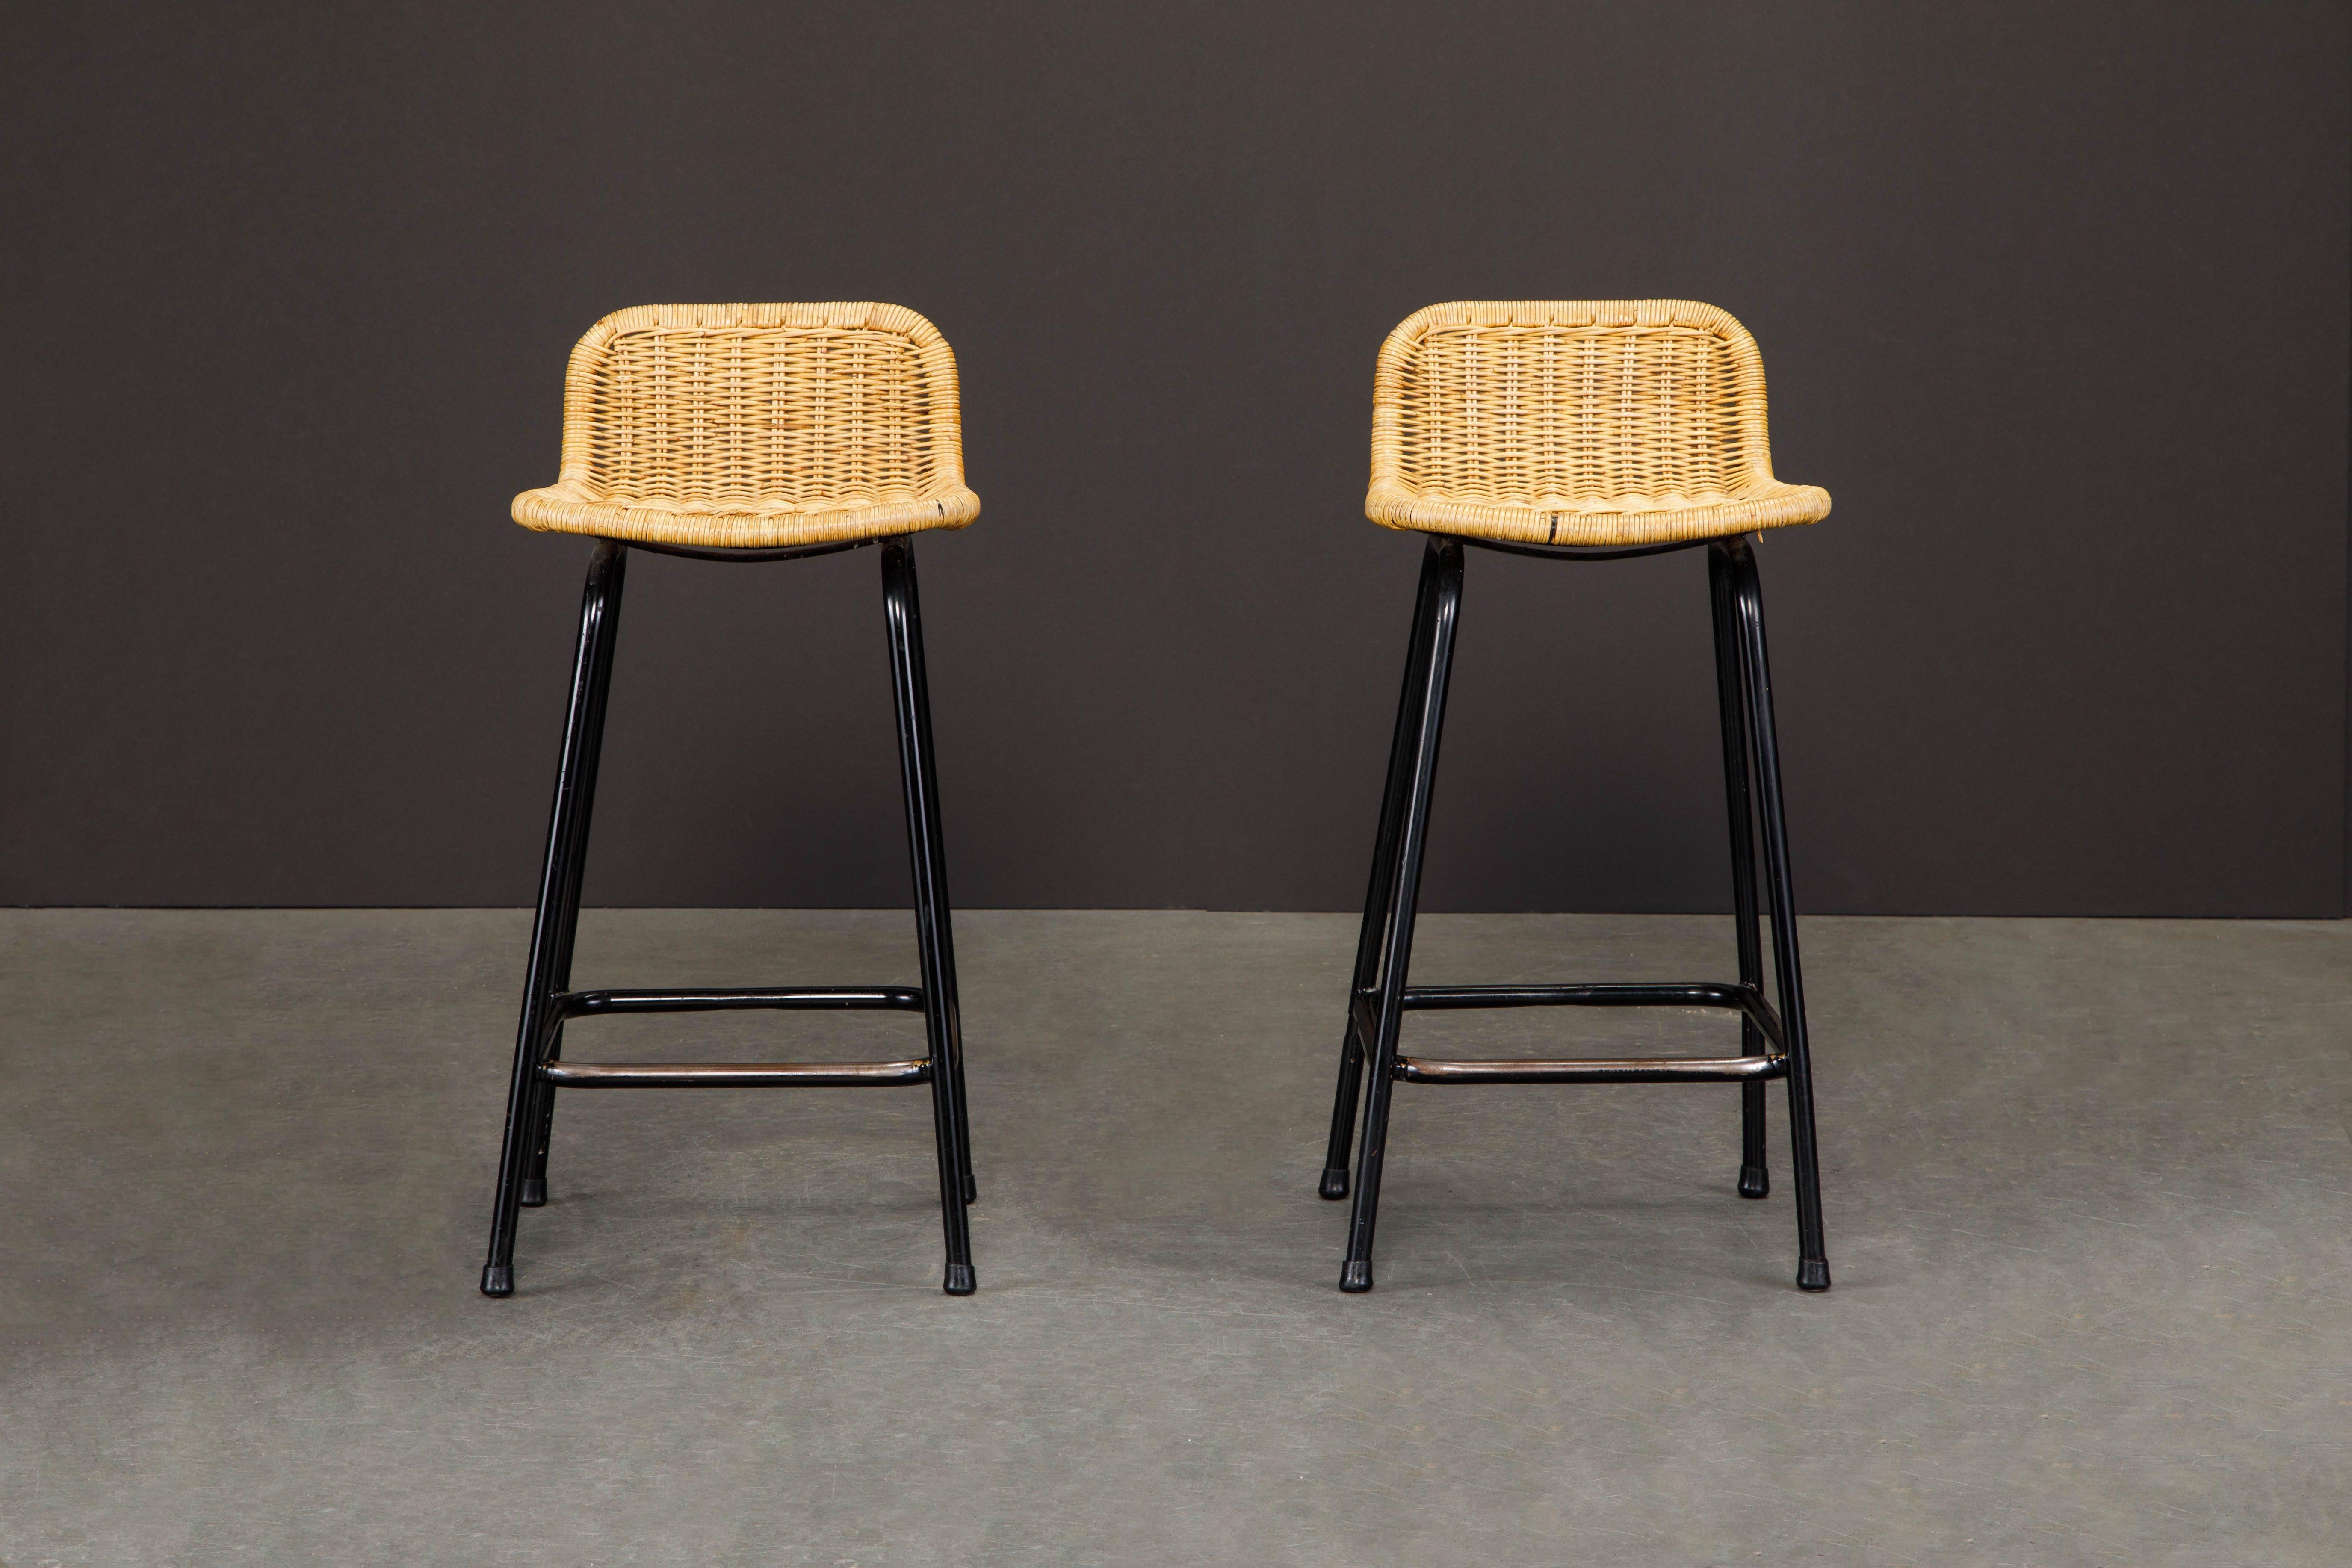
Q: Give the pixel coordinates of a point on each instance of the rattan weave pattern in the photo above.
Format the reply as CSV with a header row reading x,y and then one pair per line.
x,y
758,426
1576,423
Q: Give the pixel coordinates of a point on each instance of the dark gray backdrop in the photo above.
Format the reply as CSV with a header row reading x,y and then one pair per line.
x,y
2052,299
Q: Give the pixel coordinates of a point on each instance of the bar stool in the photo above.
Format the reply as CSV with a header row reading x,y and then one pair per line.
x,y
745,433
1579,431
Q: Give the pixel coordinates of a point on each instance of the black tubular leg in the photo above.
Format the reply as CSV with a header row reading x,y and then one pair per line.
x,y
591,675
534,1180
951,1005
1755,1181
1445,602
1812,1257
931,930
1376,897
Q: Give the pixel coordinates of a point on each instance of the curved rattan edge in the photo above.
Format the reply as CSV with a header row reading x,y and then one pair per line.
x,y
1391,505
779,553
551,510
1579,552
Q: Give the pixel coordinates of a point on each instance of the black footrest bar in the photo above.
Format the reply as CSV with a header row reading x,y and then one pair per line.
x,y
1640,1070
734,1074
889,999
1729,996
1743,999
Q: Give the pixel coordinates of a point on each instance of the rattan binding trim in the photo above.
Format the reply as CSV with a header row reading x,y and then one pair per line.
x,y
751,427
1576,422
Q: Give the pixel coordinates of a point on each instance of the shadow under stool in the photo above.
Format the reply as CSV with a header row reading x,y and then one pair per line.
x,y
745,433
1579,431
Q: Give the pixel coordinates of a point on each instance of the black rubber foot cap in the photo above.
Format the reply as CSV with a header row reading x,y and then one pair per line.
x,y
1814,1274
534,1192
1355,1277
961,1281
1755,1182
496,1281
1335,1182
970,1191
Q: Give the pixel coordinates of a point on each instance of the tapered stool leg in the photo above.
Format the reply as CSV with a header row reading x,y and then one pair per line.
x,y
1369,939
932,919
1812,1257
952,1006
534,1180
1445,599
1755,1181
558,885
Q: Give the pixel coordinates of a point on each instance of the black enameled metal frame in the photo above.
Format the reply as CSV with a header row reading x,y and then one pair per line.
x,y
1773,1043
548,1001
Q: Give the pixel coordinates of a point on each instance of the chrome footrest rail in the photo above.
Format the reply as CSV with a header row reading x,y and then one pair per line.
x,y
1631,1069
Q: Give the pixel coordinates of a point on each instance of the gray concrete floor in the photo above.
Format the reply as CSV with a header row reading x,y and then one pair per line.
x,y
2087,1205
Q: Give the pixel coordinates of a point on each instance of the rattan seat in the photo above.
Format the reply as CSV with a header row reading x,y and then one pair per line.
x,y
1576,423
758,426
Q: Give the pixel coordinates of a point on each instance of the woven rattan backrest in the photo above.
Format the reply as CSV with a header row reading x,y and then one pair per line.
x,y
1552,403
794,406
